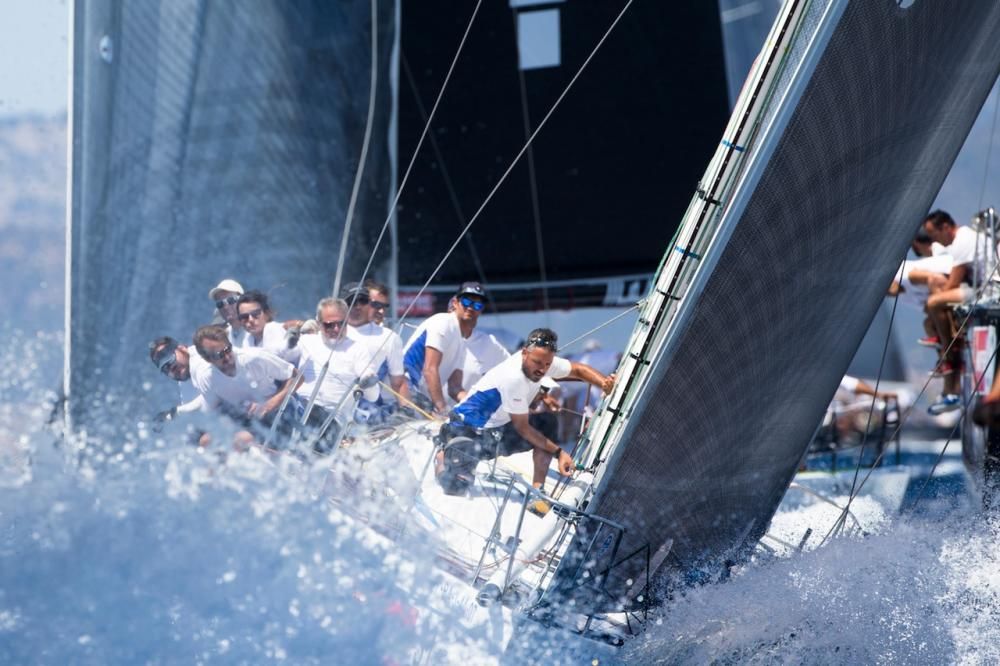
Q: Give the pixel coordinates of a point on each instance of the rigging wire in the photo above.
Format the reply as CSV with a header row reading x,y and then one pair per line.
x,y
364,152
402,319
517,158
416,151
392,209
532,180
871,410
951,435
449,185
923,389
600,326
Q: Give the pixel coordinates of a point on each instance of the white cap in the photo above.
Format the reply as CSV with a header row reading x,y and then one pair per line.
x,y
226,285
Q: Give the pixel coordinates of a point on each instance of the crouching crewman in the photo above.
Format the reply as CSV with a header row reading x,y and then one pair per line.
x,y
493,419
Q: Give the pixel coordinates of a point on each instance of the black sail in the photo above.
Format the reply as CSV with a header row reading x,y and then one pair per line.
x,y
860,151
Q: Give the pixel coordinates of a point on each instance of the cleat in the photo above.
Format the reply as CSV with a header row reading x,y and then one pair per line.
x,y
946,402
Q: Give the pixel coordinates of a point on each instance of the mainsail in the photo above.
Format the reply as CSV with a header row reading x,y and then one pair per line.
x,y
211,140
731,366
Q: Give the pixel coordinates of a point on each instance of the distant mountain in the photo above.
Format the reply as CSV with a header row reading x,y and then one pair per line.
x,y
32,221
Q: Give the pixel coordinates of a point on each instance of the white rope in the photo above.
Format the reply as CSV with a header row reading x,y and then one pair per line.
x,y
364,153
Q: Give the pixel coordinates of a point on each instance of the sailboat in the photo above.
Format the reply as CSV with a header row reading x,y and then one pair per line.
x,y
844,131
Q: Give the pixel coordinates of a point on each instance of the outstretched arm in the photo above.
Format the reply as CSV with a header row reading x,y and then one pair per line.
x,y
584,372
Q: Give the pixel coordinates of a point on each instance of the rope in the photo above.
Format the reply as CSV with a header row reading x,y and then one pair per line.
x,y
364,152
416,408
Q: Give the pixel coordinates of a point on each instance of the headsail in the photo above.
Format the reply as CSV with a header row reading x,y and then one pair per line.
x,y
711,417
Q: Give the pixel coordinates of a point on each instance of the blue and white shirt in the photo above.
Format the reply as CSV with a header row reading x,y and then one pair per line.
x,y
503,391
440,331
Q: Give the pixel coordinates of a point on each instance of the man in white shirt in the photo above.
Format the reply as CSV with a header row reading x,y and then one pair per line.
x,y
495,413
346,361
917,278
256,316
247,384
434,354
966,269
174,360
384,352
483,352
226,295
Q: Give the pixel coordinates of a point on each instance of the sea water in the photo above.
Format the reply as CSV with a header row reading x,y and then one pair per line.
x,y
149,549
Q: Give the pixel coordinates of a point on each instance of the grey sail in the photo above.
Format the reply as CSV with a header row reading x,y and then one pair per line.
x,y
877,101
212,140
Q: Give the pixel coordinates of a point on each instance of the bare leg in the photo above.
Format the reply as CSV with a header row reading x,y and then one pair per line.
x,y
542,460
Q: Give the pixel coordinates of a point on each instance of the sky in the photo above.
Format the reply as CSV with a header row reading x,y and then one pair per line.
x,y
33,50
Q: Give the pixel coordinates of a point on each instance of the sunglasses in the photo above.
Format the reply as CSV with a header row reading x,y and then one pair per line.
x,y
469,303
328,325
245,316
543,341
378,305
228,300
166,362
219,355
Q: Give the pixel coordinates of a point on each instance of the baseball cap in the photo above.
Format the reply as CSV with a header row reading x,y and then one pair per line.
x,y
472,289
226,285
352,289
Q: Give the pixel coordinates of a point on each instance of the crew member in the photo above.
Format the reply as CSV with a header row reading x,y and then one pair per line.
x,y
434,355
494,416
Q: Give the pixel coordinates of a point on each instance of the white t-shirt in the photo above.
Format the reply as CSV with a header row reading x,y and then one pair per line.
x,y
963,251
258,376
917,294
348,362
384,351
483,352
503,391
274,341
440,331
